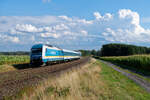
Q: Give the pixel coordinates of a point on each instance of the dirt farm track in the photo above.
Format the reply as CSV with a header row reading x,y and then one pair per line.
x,y
13,81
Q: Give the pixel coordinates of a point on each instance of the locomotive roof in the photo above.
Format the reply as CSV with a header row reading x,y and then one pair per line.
x,y
41,45
70,51
48,45
37,46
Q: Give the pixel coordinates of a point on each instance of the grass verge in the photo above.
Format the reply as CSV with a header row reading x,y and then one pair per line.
x,y
133,72
137,64
120,86
93,81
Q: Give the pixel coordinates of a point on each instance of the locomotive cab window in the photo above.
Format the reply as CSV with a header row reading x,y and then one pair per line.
x,y
37,51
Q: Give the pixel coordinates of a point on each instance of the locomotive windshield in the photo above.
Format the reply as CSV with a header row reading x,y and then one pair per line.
x,y
36,51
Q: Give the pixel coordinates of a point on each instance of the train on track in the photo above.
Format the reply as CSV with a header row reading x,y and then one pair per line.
x,y
42,54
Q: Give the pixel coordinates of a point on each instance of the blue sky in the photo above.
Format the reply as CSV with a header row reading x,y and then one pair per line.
x,y
73,24
80,8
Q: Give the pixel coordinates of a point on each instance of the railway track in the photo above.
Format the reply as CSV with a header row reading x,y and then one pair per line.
x,y
12,82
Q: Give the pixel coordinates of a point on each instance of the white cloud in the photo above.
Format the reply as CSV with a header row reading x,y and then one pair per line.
x,y
108,16
122,26
65,18
6,38
53,35
13,31
130,15
48,29
84,32
83,21
14,39
28,28
60,27
97,15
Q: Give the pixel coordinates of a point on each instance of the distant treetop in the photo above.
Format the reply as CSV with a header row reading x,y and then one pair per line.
x,y
115,49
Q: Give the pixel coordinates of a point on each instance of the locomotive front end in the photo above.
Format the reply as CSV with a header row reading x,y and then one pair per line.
x,y
36,55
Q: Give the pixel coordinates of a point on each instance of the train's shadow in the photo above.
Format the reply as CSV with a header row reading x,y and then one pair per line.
x,y
25,66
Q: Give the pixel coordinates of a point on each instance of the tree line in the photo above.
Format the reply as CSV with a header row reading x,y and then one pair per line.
x,y
90,52
123,50
116,49
15,53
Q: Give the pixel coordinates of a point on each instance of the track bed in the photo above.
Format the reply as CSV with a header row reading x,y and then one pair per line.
x,y
12,82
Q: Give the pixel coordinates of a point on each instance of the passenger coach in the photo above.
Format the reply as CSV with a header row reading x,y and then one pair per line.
x,y
44,54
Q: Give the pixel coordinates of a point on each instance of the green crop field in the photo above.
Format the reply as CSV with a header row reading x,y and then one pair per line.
x,y
14,59
137,61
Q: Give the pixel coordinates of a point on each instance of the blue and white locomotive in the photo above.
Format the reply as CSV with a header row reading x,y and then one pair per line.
x,y
44,54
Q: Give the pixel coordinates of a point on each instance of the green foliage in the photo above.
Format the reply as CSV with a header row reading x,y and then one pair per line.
x,y
136,61
63,91
14,59
85,52
93,52
90,52
50,90
123,50
57,91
